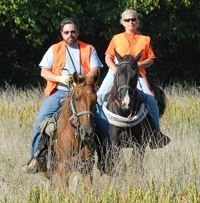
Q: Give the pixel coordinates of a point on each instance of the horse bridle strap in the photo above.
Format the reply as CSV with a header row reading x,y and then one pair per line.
x,y
126,86
124,62
79,113
78,130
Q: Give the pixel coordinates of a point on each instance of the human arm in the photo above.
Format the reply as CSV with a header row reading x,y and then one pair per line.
x,y
48,75
110,55
93,71
145,63
148,55
110,63
95,63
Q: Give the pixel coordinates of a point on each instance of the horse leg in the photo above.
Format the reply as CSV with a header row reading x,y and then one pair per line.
x,y
103,149
87,178
64,174
88,181
137,159
87,154
117,161
62,169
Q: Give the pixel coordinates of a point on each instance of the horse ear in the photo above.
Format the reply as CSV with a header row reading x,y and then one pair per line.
x,y
137,58
119,58
78,78
96,77
75,77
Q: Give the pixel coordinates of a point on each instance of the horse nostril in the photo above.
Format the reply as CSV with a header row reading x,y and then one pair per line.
x,y
86,134
126,105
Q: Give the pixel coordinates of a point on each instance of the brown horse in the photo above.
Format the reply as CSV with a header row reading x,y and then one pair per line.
x,y
75,144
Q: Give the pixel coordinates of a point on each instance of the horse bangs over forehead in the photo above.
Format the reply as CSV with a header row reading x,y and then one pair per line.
x,y
86,84
131,60
128,66
131,64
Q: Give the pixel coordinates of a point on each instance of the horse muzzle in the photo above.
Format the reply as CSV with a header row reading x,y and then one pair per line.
x,y
86,134
125,106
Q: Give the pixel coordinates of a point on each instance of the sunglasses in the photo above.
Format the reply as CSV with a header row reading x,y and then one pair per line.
x,y
72,32
130,19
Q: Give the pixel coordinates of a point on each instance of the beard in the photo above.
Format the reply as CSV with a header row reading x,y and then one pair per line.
x,y
71,41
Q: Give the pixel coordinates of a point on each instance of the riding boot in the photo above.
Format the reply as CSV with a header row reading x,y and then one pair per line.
x,y
35,166
37,163
158,139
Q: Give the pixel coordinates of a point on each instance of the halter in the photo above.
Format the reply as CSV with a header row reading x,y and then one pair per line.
x,y
74,120
124,86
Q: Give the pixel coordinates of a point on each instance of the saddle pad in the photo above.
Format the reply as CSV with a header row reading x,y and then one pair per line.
x,y
120,121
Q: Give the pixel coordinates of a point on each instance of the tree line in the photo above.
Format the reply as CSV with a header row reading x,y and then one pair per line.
x,y
29,27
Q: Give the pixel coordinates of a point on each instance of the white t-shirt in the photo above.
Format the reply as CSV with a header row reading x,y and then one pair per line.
x,y
69,69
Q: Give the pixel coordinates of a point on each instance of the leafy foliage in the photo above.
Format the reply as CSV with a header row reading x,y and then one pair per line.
x,y
29,27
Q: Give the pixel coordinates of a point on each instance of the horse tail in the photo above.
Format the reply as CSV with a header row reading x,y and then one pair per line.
x,y
160,97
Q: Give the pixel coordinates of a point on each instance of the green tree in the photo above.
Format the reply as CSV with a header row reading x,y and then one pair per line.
x,y
29,27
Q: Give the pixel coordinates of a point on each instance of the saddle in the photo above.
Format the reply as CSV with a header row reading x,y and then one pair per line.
x,y
49,125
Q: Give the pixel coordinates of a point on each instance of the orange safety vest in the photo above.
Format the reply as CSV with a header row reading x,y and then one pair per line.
x,y
140,43
59,51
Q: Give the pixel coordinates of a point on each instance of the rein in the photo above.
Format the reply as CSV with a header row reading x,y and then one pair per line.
x,y
127,87
79,113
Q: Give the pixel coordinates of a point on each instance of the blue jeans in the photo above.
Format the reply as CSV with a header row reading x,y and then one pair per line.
x,y
105,88
51,105
148,99
152,106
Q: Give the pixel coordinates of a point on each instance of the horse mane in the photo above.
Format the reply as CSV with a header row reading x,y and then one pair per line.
x,y
66,112
86,82
114,91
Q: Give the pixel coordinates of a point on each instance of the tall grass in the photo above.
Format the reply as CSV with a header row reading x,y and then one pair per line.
x,y
173,169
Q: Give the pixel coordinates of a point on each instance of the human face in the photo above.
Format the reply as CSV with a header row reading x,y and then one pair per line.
x,y
132,25
70,34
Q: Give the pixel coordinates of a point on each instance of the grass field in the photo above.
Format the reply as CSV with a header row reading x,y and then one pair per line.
x,y
171,172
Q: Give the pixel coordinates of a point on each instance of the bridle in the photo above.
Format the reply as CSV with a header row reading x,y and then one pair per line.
x,y
124,86
74,121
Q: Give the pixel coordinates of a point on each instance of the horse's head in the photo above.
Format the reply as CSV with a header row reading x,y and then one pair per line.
x,y
126,79
83,105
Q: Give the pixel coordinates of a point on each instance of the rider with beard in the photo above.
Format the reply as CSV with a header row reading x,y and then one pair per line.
x,y
57,66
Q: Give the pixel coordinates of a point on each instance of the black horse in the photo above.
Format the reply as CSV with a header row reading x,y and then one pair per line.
x,y
128,118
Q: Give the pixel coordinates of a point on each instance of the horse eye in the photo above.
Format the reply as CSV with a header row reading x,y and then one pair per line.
x,y
77,99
